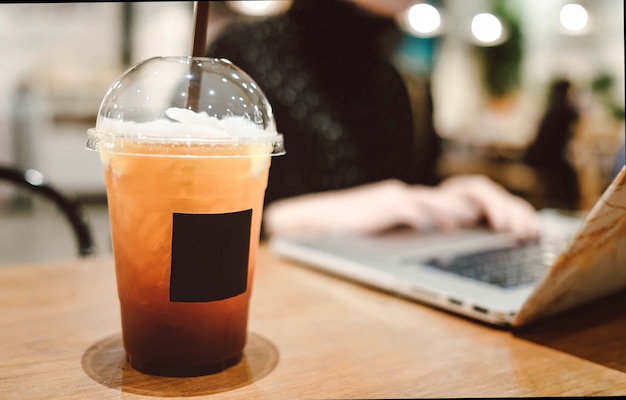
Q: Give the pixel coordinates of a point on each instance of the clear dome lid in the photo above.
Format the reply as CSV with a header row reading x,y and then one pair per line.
x,y
183,100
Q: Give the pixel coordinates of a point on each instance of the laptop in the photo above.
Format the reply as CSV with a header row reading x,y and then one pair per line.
x,y
482,274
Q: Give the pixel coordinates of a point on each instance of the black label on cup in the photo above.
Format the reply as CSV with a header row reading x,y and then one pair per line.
x,y
209,256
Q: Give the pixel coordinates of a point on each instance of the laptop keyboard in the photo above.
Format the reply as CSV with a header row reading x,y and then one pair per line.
x,y
505,267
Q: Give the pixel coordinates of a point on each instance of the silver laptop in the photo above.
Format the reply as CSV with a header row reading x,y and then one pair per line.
x,y
482,274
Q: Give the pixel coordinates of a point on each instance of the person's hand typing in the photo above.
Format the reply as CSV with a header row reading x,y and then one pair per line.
x,y
503,211
458,202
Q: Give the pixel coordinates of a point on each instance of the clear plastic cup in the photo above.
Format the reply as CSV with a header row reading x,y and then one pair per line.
x,y
186,145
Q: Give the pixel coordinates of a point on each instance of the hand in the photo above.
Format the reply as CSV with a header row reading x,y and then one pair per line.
x,y
458,202
503,211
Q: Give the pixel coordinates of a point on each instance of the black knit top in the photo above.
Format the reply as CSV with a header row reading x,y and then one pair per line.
x,y
342,107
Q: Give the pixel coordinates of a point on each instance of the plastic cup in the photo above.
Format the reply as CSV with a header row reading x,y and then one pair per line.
x,y
185,145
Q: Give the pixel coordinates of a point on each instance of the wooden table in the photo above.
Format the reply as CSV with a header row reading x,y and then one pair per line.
x,y
311,336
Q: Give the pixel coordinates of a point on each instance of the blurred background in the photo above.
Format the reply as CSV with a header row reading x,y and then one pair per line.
x,y
490,64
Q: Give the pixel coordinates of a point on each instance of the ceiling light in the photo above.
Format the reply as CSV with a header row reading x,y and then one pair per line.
x,y
574,18
487,29
260,8
422,20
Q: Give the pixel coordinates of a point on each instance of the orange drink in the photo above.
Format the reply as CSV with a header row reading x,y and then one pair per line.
x,y
185,190
145,194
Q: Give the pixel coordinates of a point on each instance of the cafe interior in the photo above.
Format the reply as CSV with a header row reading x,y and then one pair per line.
x,y
489,68
62,57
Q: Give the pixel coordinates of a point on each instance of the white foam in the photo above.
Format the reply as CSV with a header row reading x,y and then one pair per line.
x,y
184,123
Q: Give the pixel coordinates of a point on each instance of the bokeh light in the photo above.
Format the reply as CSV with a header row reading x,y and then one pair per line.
x,y
487,28
574,17
423,18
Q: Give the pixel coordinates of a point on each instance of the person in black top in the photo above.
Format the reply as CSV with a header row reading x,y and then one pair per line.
x,y
354,159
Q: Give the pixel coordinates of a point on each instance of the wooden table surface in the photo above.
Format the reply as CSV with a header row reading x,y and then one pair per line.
x,y
312,336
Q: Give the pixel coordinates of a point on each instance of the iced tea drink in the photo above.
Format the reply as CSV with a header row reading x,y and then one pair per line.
x,y
145,194
185,184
